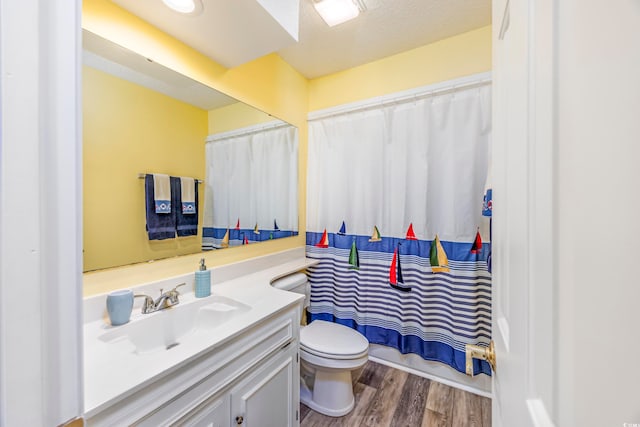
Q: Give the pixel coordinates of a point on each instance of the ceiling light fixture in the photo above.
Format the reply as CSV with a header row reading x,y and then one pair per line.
x,y
189,7
336,12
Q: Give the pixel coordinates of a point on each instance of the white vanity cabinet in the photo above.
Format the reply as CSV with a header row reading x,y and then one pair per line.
x,y
250,380
263,398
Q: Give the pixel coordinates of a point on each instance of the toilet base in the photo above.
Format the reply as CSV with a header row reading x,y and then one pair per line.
x,y
332,393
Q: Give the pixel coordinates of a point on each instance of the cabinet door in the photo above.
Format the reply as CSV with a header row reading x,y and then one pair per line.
x,y
266,398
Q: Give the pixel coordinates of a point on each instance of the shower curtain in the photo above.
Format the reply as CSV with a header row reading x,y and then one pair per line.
x,y
408,171
251,182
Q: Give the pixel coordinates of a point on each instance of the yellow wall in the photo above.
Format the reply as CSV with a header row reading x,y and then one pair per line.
x,y
236,116
128,129
458,56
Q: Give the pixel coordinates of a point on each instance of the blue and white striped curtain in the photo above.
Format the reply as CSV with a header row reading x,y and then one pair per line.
x,y
422,164
251,179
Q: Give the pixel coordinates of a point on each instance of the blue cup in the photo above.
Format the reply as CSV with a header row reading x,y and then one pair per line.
x,y
119,306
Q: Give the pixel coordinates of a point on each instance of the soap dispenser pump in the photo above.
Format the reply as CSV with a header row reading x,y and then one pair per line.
x,y
203,281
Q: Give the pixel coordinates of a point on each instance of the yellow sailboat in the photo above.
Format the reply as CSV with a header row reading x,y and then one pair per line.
x,y
375,237
438,257
225,240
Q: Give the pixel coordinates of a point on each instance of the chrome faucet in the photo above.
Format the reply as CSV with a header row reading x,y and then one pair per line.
x,y
165,300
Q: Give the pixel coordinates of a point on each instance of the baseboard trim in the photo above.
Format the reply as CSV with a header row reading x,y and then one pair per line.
x,y
432,377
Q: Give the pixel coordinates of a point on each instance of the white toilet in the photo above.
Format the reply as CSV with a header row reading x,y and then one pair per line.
x,y
328,352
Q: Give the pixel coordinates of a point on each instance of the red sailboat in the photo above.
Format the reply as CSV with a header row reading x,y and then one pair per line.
x,y
476,248
395,273
410,234
324,240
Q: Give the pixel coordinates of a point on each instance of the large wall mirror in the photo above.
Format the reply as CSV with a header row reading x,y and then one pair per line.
x,y
140,117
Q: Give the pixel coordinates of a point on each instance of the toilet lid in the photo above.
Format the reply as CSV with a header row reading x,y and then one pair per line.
x,y
332,339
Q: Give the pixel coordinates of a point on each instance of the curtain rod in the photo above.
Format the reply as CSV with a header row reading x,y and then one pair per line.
x,y
423,92
247,130
142,175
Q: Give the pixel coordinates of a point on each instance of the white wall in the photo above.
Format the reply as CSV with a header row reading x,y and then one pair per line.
x,y
598,216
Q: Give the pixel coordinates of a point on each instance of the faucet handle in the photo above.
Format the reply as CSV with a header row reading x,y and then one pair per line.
x,y
173,294
148,305
176,288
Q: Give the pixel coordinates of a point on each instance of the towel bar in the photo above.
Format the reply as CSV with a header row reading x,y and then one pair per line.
x,y
142,175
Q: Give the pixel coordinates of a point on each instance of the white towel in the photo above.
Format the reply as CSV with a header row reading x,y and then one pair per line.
x,y
188,187
162,193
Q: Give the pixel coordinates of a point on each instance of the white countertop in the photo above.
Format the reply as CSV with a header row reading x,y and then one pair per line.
x,y
114,371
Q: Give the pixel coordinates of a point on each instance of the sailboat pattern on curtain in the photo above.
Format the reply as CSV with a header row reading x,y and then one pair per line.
x,y
442,313
220,238
406,169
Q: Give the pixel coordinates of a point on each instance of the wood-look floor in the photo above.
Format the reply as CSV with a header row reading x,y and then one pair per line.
x,y
387,397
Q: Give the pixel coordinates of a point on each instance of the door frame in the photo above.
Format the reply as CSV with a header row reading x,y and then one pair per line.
x,y
40,213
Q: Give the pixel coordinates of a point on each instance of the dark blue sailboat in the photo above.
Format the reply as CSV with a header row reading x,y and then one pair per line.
x,y
343,229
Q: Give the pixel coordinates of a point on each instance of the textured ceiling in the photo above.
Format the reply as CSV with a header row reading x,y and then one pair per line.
x,y
235,31
387,27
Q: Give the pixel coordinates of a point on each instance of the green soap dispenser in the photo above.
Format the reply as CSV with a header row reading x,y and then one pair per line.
x,y
203,281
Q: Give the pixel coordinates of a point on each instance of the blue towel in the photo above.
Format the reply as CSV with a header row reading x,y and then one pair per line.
x,y
186,224
160,226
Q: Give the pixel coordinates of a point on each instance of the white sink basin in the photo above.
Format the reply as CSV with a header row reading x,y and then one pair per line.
x,y
168,328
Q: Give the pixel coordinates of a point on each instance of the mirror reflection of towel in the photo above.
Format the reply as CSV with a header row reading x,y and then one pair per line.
x,y
160,226
186,224
162,193
187,196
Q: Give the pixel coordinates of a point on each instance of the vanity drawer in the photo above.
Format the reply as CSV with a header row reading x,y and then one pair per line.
x,y
181,390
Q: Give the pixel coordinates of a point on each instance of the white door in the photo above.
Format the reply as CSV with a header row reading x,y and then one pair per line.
x,y
522,215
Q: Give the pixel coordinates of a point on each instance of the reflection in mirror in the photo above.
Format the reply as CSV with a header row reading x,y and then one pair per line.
x,y
252,183
140,117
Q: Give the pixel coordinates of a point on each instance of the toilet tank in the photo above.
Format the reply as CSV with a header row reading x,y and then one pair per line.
x,y
296,282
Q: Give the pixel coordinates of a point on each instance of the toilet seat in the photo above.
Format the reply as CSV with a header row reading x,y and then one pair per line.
x,y
332,341
331,355
326,362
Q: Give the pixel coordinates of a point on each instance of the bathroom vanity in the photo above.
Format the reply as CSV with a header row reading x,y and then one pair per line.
x,y
225,360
